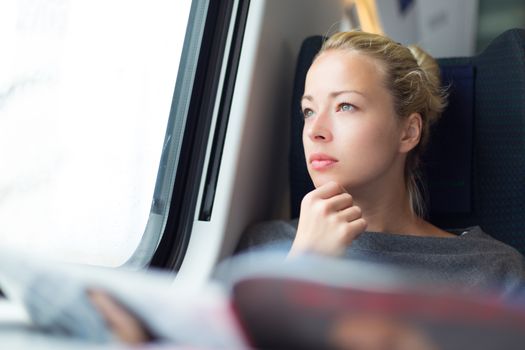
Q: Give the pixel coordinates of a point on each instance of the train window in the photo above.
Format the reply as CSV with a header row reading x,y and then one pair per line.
x,y
86,90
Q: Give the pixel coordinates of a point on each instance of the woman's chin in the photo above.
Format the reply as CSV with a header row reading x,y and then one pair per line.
x,y
319,181
322,180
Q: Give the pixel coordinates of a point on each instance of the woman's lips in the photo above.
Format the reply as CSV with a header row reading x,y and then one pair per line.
x,y
320,161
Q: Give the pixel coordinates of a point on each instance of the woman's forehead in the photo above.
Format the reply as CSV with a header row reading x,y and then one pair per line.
x,y
339,70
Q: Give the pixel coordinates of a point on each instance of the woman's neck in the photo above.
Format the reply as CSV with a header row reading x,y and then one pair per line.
x,y
386,208
388,213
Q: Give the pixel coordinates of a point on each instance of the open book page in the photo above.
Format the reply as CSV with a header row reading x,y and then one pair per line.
x,y
55,297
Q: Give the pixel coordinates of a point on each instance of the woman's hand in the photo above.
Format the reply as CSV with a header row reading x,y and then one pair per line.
x,y
328,222
124,325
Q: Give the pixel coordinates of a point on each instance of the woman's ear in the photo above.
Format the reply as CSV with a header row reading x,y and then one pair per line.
x,y
410,132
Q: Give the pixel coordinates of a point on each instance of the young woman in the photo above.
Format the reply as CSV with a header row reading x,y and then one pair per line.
x,y
368,106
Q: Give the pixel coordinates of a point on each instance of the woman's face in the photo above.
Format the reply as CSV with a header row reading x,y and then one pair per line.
x,y
351,134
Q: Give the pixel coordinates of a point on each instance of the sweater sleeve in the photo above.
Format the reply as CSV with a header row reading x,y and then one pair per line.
x,y
277,234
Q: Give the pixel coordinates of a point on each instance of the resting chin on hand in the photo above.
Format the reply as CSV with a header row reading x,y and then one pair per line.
x,y
328,222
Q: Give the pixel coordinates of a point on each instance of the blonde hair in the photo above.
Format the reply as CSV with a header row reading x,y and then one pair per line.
x,y
413,78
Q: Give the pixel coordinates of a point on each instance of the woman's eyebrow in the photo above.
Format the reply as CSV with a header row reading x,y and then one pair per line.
x,y
307,97
335,94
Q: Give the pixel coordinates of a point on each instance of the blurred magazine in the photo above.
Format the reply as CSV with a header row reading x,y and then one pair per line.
x,y
263,301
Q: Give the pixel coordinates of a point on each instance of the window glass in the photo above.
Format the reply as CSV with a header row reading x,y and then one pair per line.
x,y
85,95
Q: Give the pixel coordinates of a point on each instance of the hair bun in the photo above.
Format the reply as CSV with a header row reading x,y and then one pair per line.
x,y
427,64
431,82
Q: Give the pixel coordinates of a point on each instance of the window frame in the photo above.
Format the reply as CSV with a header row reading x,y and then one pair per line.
x,y
196,94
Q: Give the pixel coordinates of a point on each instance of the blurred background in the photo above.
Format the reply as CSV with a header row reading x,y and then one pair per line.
x,y
444,28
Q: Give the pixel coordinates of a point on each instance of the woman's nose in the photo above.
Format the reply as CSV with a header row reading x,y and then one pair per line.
x,y
319,128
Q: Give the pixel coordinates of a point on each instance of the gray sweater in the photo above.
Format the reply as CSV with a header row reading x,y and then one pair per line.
x,y
473,258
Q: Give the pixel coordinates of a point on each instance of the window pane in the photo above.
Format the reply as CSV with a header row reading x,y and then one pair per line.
x,y
85,95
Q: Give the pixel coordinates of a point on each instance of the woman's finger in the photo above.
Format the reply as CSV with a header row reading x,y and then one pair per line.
x,y
350,214
125,326
340,202
328,190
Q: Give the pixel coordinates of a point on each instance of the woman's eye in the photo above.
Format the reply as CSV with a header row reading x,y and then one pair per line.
x,y
307,112
346,107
